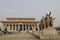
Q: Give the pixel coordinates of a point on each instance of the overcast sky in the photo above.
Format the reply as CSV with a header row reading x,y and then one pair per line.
x,y
30,8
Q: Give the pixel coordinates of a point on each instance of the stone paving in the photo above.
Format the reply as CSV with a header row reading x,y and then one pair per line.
x,y
19,36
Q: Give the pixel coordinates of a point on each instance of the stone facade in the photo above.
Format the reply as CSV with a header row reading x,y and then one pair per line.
x,y
20,24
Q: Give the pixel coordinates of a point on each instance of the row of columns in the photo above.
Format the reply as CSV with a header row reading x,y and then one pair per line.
x,y
20,27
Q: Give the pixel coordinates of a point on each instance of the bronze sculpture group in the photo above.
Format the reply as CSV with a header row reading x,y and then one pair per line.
x,y
46,21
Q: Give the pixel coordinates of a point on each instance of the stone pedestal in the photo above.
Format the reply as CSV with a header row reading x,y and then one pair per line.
x,y
48,33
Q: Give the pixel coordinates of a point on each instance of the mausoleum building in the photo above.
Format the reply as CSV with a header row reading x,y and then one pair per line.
x,y
20,24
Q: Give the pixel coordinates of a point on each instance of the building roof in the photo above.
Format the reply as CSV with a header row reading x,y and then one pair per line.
x,y
14,20
18,21
20,18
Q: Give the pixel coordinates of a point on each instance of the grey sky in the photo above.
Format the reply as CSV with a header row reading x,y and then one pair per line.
x,y
30,8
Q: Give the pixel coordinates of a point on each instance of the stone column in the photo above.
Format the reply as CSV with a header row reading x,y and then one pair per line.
x,y
25,27
18,27
15,27
22,27
31,26
4,27
9,27
34,28
28,27
38,26
12,27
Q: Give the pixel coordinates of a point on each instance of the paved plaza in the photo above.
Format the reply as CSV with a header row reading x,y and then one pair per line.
x,y
19,36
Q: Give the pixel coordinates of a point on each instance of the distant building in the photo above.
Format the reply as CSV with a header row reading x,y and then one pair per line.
x,y
20,24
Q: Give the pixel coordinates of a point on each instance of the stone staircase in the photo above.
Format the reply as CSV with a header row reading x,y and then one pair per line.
x,y
20,36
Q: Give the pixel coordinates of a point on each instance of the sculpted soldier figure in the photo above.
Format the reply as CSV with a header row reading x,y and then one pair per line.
x,y
44,22
40,24
47,20
50,20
